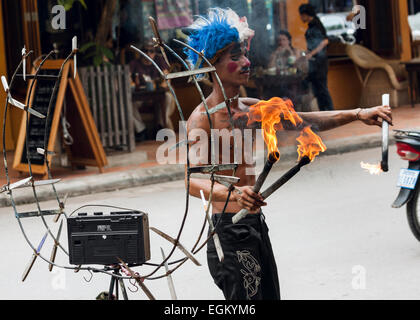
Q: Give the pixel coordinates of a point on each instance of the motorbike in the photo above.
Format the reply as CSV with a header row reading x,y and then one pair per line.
x,y
408,148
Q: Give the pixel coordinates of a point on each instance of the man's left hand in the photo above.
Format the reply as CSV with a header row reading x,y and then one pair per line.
x,y
372,116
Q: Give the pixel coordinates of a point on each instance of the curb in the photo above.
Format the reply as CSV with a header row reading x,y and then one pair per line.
x,y
109,182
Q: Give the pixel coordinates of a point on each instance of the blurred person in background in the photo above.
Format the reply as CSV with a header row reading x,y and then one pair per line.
x,y
286,57
317,42
146,77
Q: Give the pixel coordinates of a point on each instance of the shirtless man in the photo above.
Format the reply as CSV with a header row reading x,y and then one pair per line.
x,y
249,270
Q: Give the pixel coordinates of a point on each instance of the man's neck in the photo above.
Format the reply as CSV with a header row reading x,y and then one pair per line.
x,y
231,93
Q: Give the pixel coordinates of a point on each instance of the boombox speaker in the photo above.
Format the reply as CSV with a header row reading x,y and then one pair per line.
x,y
102,239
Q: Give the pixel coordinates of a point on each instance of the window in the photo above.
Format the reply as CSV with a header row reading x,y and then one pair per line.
x,y
413,6
332,6
414,18
333,15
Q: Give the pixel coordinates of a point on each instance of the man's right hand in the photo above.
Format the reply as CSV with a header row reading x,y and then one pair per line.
x,y
247,199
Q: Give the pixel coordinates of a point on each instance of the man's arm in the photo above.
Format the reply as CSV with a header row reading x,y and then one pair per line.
x,y
327,120
318,49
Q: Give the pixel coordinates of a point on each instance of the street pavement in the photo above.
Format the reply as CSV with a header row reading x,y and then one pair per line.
x,y
333,231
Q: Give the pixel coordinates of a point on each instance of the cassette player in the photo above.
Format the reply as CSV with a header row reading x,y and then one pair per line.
x,y
103,238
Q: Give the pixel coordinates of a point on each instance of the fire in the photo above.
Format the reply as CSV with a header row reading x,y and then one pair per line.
x,y
310,144
372,168
271,113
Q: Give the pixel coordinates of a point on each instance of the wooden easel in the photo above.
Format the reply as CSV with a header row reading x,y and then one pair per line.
x,y
87,148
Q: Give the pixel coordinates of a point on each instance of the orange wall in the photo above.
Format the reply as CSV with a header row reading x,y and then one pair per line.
x,y
405,31
344,85
295,26
3,72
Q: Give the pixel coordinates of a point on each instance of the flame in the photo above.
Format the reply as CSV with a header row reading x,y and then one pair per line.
x,y
271,113
310,144
372,168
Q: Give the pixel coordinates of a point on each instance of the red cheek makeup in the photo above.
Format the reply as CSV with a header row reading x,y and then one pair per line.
x,y
232,67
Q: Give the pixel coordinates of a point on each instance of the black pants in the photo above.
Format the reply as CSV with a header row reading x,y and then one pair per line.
x,y
318,77
249,270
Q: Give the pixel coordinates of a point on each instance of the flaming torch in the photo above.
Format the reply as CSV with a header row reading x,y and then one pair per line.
x,y
270,113
377,169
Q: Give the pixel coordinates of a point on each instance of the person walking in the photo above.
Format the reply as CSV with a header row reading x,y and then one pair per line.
x,y
317,42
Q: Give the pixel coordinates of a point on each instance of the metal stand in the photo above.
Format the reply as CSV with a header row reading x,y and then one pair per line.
x,y
114,284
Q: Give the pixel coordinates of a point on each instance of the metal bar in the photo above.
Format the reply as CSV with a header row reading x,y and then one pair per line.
x,y
181,144
219,82
26,183
151,60
285,178
204,101
45,141
111,288
201,54
169,277
275,186
216,239
226,180
42,152
33,258
24,62
139,280
40,76
56,244
181,114
189,73
34,214
123,290
158,39
385,137
213,168
74,49
178,244
62,207
15,185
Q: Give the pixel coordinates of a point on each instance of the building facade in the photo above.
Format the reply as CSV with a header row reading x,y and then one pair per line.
x,y
26,22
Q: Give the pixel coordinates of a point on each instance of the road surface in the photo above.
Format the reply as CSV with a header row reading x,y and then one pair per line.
x,y
333,231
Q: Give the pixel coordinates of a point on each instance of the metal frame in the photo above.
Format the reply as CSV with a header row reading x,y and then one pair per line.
x,y
60,213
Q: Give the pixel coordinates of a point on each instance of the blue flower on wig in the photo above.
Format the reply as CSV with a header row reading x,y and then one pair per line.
x,y
216,32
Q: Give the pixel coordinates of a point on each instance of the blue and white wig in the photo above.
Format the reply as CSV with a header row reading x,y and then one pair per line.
x,y
214,33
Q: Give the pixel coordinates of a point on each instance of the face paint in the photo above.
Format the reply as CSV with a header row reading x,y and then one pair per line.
x,y
235,55
232,67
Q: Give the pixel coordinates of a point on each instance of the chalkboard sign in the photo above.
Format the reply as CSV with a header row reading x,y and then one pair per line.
x,y
37,127
81,118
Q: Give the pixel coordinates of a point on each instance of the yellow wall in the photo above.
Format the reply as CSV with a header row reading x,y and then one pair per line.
x,y
3,72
